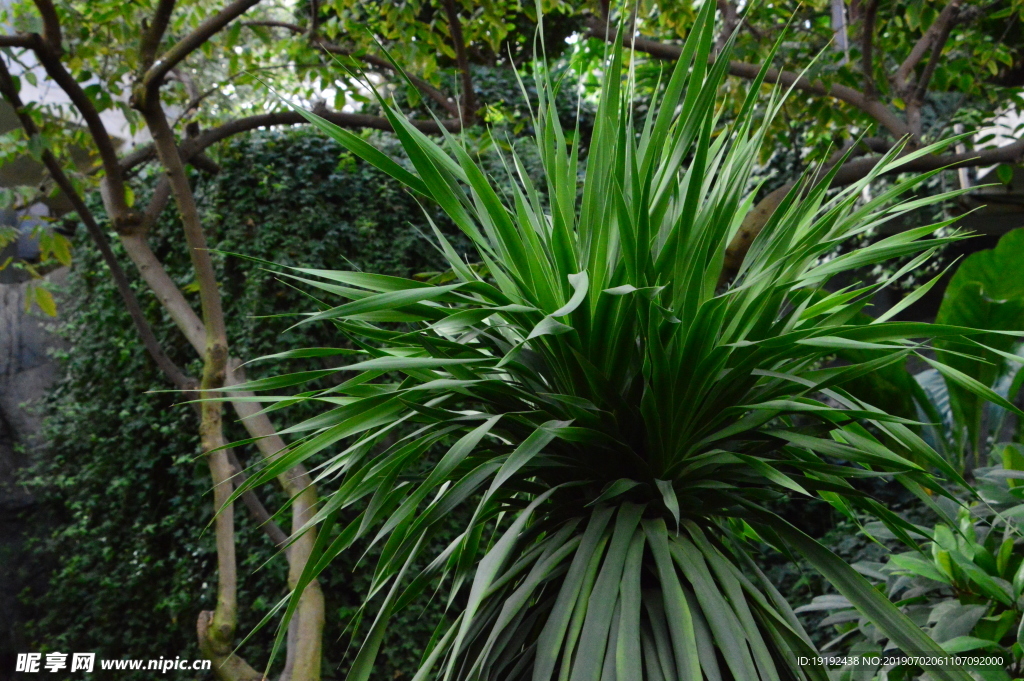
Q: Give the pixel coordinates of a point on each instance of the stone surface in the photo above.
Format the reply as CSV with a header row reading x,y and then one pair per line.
x,y
27,370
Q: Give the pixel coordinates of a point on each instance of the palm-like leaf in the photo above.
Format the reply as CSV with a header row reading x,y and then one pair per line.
x,y
615,418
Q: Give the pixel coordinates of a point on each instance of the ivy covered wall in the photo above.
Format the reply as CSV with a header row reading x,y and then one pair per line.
x,y
118,489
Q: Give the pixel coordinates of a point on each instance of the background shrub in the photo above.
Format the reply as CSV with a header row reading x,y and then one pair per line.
x,y
128,562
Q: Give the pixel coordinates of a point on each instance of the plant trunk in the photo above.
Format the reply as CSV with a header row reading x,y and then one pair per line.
x,y
208,336
216,630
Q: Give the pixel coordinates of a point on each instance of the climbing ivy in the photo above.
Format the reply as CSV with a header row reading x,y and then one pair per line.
x,y
121,489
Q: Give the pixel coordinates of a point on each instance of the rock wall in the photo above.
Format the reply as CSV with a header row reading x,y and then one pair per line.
x,y
27,370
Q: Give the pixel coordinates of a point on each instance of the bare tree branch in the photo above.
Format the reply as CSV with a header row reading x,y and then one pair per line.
x,y
887,118
155,33
901,79
839,29
339,118
184,47
305,633
113,183
209,294
207,138
51,25
124,289
914,95
867,46
855,169
938,44
314,18
216,638
219,635
20,40
218,371
294,28
851,171
730,20
157,203
140,155
462,59
227,664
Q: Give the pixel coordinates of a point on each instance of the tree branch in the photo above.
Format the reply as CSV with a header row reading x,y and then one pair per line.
x,y
20,40
420,84
255,506
901,79
889,120
314,18
867,42
858,168
218,371
933,60
212,628
841,38
168,60
914,95
166,291
853,170
462,59
157,203
305,633
155,33
121,215
373,60
730,20
339,118
51,25
219,635
181,380
209,294
216,630
207,138
294,28
297,482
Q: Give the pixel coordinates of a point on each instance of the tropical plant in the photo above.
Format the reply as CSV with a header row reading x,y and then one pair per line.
x,y
616,416
985,292
965,589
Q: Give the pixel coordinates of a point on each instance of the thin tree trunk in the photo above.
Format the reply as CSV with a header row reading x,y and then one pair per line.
x,y
216,630
304,651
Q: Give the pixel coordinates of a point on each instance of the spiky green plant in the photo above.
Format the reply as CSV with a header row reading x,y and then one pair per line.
x,y
616,420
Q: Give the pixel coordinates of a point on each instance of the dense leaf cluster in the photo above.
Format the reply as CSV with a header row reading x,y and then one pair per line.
x,y
625,414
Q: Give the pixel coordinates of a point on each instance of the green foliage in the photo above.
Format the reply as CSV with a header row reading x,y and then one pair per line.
x,y
120,487
964,88
987,292
54,247
613,417
963,587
